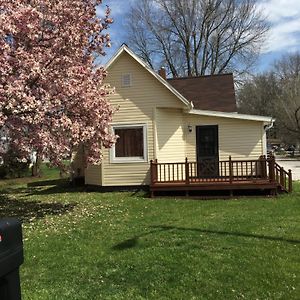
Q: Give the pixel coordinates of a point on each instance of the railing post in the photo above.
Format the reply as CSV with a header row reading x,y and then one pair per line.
x,y
272,168
230,170
290,181
153,171
263,165
187,171
281,178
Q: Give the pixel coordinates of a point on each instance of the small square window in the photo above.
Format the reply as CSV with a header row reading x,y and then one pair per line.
x,y
126,80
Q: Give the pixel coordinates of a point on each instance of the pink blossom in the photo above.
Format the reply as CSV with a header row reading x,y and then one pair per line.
x,y
51,96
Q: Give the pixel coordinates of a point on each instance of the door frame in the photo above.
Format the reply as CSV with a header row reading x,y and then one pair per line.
x,y
216,137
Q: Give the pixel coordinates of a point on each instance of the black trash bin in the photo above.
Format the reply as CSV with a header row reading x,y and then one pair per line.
x,y
11,257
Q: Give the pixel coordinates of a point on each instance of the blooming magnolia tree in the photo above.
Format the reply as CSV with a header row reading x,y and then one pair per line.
x,y
52,97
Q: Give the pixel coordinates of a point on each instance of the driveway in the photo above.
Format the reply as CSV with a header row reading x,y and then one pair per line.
x,y
292,164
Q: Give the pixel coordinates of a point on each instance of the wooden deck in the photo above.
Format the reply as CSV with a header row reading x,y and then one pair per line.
x,y
232,175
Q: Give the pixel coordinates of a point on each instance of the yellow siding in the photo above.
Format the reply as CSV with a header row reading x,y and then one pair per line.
x,y
93,175
241,139
136,106
170,143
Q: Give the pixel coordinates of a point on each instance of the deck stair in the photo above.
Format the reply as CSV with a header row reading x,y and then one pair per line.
x,y
283,178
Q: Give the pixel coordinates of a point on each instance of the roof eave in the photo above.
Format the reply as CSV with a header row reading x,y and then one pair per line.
x,y
232,115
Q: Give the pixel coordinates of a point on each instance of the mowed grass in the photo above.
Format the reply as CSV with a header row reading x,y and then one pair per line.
x,y
91,245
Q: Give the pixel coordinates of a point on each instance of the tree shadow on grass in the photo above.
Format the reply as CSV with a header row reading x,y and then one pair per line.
x,y
130,243
229,233
65,186
41,183
44,187
26,211
133,242
127,244
56,186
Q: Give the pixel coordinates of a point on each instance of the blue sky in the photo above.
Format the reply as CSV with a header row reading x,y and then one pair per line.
x,y
283,15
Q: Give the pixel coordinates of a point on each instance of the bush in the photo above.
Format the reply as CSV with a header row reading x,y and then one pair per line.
x,y
3,172
13,166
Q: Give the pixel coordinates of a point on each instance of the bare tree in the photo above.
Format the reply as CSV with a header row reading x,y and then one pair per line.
x,y
258,95
287,70
197,37
288,66
276,93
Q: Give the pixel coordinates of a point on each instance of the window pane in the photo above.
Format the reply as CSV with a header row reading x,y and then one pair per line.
x,y
130,142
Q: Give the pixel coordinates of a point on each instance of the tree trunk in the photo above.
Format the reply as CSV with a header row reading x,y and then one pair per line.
x,y
36,168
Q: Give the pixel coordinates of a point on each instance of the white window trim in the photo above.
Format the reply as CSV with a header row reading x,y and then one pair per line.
x,y
120,160
130,80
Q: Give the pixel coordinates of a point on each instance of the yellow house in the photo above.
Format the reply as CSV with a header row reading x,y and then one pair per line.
x,y
169,120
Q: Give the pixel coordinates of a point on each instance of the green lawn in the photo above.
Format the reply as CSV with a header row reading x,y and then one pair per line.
x,y
91,245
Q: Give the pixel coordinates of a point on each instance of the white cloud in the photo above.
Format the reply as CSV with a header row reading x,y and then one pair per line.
x,y
284,17
276,10
283,36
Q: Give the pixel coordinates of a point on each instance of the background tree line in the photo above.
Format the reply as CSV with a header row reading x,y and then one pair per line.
x,y
276,93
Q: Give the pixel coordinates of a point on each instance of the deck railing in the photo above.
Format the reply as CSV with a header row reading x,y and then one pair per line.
x,y
283,177
229,171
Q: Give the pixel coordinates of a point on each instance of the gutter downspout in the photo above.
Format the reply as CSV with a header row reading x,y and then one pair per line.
x,y
270,125
266,128
191,105
189,108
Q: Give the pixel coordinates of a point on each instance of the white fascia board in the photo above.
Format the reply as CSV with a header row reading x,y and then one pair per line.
x,y
114,57
124,48
230,115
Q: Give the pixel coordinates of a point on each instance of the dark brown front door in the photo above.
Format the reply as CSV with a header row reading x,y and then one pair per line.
x,y
207,142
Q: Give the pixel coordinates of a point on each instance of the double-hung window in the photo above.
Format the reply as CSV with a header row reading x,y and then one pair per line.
x,y
131,145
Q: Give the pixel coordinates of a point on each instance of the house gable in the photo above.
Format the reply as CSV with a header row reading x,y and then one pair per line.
x,y
124,50
145,93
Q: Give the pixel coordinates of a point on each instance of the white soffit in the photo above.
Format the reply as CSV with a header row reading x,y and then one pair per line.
x,y
231,115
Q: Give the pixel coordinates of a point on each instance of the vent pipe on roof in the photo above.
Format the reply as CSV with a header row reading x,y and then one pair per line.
x,y
162,73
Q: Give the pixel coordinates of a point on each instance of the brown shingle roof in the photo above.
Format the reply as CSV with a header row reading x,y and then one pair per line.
x,y
212,92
